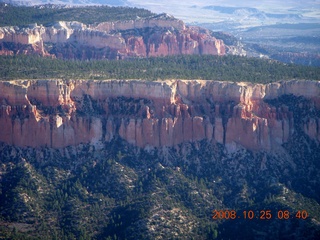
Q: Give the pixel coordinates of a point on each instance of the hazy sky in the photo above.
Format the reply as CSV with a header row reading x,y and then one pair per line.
x,y
192,10
263,4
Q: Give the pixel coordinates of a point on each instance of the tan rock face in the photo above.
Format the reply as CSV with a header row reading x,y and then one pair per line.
x,y
156,36
58,113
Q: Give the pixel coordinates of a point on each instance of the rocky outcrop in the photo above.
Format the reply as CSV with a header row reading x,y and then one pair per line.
x,y
59,113
160,35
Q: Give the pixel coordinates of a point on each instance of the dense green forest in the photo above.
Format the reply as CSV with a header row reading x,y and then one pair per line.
x,y
233,68
52,13
118,192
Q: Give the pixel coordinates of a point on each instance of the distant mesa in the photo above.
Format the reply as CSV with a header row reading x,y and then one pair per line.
x,y
248,11
232,10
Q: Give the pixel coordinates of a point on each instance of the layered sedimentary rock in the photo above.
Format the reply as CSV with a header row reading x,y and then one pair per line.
x,y
161,35
59,113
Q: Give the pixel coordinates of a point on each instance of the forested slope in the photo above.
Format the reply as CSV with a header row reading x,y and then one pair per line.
x,y
49,14
232,68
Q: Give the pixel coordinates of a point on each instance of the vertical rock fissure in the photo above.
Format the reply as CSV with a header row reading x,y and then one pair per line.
x,y
224,132
104,127
283,133
51,129
224,115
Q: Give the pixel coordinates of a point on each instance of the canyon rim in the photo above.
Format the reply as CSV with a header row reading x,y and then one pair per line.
x,y
61,113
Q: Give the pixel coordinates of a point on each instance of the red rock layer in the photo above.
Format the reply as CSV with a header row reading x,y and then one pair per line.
x,y
158,36
58,113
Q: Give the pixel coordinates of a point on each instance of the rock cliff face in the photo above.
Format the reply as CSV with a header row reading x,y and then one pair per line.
x,y
161,35
58,113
